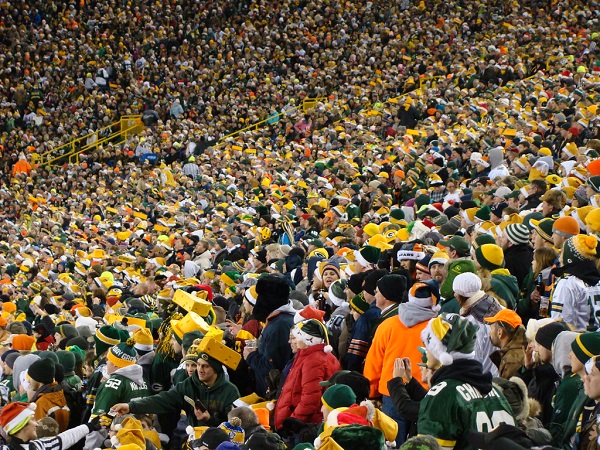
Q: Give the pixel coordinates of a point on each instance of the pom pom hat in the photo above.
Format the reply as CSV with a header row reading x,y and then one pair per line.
x,y
106,337
449,337
367,256
424,294
123,355
15,416
143,340
312,332
234,430
580,248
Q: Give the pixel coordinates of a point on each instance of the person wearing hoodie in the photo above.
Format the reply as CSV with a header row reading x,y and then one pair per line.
x,y
582,347
539,375
125,379
462,397
208,386
497,167
576,297
398,337
20,367
47,394
475,306
499,283
569,385
273,307
144,346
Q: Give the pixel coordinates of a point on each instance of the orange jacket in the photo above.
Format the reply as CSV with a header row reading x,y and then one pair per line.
x,y
21,166
392,340
51,402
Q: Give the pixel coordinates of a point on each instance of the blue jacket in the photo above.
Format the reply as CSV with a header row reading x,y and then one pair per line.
x,y
360,340
274,350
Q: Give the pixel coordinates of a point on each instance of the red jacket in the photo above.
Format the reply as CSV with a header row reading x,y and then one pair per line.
x,y
301,394
43,343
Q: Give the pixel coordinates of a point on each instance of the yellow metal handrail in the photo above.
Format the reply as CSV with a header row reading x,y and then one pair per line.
x,y
307,104
127,125
255,126
310,103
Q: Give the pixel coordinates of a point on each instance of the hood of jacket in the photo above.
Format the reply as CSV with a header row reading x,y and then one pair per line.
x,y
285,309
134,373
465,371
496,157
510,281
21,364
146,359
411,314
560,352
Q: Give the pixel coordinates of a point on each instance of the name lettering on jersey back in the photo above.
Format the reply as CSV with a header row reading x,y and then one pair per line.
x,y
468,393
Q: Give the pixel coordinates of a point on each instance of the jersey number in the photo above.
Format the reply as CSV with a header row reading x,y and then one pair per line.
x,y
113,383
485,423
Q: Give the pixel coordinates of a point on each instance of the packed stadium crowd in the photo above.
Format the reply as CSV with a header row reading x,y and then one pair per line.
x,y
341,225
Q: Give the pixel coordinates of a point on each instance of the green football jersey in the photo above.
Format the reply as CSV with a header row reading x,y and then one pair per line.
x,y
117,389
452,408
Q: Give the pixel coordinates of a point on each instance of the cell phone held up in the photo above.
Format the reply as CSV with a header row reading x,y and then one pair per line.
x,y
195,404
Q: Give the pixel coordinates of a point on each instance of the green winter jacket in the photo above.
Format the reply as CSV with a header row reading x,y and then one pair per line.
x,y
506,287
450,305
160,371
568,389
124,385
562,436
217,398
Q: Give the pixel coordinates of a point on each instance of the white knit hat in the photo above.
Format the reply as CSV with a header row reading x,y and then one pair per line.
x,y
466,284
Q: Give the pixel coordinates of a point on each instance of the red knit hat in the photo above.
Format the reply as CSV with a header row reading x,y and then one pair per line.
x,y
309,312
15,416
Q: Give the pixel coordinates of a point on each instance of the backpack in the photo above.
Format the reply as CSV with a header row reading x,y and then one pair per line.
x,y
75,404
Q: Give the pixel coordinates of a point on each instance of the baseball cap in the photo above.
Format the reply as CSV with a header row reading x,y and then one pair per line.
x,y
507,316
458,243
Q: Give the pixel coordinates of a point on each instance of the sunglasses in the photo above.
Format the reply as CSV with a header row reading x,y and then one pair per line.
x,y
589,365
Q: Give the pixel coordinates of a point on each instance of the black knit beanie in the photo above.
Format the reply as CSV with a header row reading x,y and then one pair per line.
x,y
371,280
545,335
392,287
42,371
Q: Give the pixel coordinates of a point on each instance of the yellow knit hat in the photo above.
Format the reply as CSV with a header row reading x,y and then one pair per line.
x,y
490,256
143,339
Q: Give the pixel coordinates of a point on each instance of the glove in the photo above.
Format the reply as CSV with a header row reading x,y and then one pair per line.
x,y
94,424
105,421
293,425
